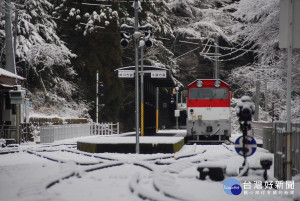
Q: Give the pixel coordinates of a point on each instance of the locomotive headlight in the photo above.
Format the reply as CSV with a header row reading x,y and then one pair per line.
x,y
217,83
199,83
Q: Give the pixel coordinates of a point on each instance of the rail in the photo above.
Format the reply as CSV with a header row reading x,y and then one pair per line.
x,y
49,134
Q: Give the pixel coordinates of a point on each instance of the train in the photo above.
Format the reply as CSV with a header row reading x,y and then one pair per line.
x,y
208,111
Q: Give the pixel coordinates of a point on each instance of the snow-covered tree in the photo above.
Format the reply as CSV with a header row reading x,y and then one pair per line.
x,y
256,29
43,55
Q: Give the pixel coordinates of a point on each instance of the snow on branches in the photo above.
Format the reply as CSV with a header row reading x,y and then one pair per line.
x,y
257,28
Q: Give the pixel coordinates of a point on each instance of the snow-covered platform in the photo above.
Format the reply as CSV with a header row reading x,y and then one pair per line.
x,y
148,145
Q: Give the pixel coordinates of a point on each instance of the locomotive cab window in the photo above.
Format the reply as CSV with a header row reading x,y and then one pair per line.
x,y
208,93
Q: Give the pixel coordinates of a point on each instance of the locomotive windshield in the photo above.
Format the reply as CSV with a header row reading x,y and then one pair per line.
x,y
208,93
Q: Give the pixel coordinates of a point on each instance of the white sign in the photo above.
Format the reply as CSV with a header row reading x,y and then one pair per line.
x,y
284,24
177,113
182,106
159,74
126,73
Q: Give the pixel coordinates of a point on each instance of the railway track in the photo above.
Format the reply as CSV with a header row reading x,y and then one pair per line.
x,y
163,169
161,173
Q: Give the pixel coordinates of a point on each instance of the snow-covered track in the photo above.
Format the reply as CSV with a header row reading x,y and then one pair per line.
x,y
78,174
60,160
165,183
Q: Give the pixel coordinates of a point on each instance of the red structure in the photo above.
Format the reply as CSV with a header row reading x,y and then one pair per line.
x,y
208,110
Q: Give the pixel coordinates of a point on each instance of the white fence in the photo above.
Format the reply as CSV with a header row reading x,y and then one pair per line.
x,y
104,128
49,134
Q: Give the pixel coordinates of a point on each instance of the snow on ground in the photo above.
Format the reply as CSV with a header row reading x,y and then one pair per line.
x,y
58,171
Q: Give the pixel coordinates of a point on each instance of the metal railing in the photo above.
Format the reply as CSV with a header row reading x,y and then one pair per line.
x,y
49,134
280,149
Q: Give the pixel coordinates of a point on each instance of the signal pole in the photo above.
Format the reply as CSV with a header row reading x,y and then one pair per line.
x,y
124,42
142,43
136,36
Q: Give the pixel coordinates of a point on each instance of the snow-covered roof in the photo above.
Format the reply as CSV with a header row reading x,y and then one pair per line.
x,y
6,73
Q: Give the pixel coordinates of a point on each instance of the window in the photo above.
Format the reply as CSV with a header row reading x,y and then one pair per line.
x,y
208,93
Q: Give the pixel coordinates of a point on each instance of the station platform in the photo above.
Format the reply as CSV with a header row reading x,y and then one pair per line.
x,y
114,144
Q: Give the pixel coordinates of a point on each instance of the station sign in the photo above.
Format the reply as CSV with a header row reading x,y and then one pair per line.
x,y
159,74
126,73
250,146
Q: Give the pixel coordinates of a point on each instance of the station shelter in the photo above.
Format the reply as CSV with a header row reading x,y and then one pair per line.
x,y
8,121
155,79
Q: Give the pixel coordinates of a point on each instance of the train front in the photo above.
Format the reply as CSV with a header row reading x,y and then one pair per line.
x,y
208,111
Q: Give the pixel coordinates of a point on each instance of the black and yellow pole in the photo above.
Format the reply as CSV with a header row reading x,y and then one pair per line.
x,y
142,86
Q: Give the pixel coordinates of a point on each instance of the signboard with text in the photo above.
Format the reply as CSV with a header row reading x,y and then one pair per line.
x,y
159,74
126,73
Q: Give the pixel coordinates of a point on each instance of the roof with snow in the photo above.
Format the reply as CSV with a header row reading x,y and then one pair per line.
x,y
8,79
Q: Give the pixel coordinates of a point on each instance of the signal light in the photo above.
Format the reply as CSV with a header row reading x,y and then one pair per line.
x,y
101,88
148,43
125,39
148,34
124,43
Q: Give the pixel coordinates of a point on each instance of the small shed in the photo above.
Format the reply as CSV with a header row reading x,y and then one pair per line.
x,y
8,111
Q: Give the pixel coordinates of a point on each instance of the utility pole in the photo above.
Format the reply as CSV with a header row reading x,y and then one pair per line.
x,y
217,58
266,99
257,95
289,90
9,50
16,31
